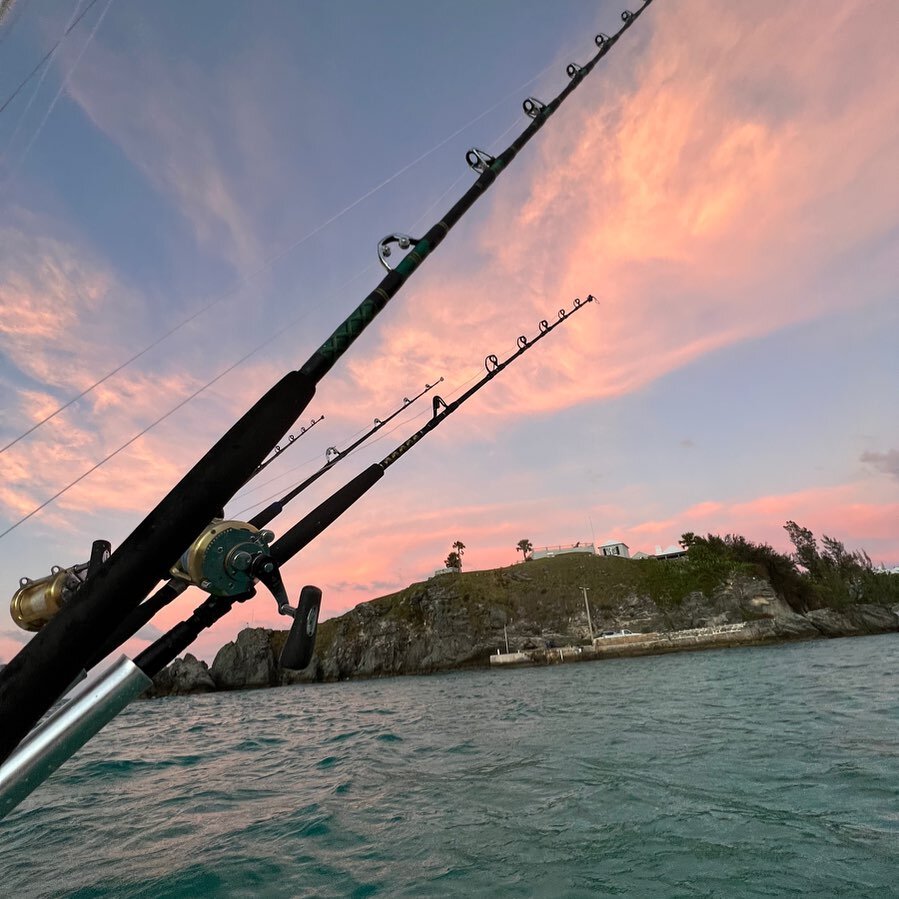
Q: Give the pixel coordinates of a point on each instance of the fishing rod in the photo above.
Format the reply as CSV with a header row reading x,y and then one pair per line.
x,y
291,440
38,675
93,706
334,455
181,581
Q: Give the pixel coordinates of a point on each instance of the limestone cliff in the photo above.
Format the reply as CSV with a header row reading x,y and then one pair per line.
x,y
458,620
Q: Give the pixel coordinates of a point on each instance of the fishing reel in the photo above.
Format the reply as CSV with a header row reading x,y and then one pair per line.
x,y
228,558
224,559
37,601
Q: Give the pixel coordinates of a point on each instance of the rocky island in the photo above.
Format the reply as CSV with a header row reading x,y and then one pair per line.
x,y
459,620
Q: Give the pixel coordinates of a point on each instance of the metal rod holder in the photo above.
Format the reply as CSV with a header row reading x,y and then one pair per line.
x,y
66,730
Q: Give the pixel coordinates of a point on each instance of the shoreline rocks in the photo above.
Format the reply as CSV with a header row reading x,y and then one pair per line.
x,y
182,678
432,633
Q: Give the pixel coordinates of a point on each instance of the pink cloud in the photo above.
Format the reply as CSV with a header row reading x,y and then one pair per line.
x,y
849,512
697,204
47,289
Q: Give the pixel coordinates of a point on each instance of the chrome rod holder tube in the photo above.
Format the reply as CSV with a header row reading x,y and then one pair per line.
x,y
66,730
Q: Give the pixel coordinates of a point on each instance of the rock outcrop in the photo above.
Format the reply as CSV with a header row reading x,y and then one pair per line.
x,y
248,662
459,620
853,620
183,676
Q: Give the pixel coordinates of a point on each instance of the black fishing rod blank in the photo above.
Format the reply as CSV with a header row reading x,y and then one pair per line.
x,y
279,450
334,455
323,516
36,677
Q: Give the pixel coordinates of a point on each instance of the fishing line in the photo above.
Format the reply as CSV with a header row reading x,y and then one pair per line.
x,y
372,442
298,648
290,440
299,536
292,323
307,462
173,410
125,445
247,279
37,87
59,93
287,471
49,53
346,454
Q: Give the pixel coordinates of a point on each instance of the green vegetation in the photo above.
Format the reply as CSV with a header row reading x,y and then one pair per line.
x,y
454,559
544,595
807,579
525,547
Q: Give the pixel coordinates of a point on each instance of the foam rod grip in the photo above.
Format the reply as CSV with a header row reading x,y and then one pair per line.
x,y
324,515
297,651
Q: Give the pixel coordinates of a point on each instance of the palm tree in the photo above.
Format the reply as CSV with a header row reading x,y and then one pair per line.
x,y
459,547
525,547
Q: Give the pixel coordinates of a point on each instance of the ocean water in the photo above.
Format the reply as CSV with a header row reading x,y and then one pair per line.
x,y
747,772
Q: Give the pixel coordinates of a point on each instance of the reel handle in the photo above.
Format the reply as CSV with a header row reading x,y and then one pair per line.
x,y
297,651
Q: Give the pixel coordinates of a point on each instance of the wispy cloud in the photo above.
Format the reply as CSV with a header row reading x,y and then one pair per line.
x,y
47,290
181,140
709,188
887,462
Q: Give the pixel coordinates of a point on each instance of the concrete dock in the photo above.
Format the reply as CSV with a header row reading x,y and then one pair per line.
x,y
634,645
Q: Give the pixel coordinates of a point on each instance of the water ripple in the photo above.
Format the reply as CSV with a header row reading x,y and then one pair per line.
x,y
758,772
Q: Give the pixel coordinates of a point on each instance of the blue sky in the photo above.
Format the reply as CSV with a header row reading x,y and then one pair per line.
x,y
725,184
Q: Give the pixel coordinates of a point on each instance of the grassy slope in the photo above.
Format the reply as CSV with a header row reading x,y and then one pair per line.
x,y
548,590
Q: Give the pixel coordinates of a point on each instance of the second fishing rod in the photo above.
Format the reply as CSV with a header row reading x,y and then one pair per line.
x,y
236,571
175,586
298,648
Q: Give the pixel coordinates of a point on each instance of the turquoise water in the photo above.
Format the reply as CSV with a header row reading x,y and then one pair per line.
x,y
751,772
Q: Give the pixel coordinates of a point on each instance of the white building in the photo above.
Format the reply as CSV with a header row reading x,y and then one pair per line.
x,y
615,549
549,552
675,551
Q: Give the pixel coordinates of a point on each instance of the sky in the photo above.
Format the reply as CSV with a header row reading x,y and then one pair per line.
x,y
724,183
